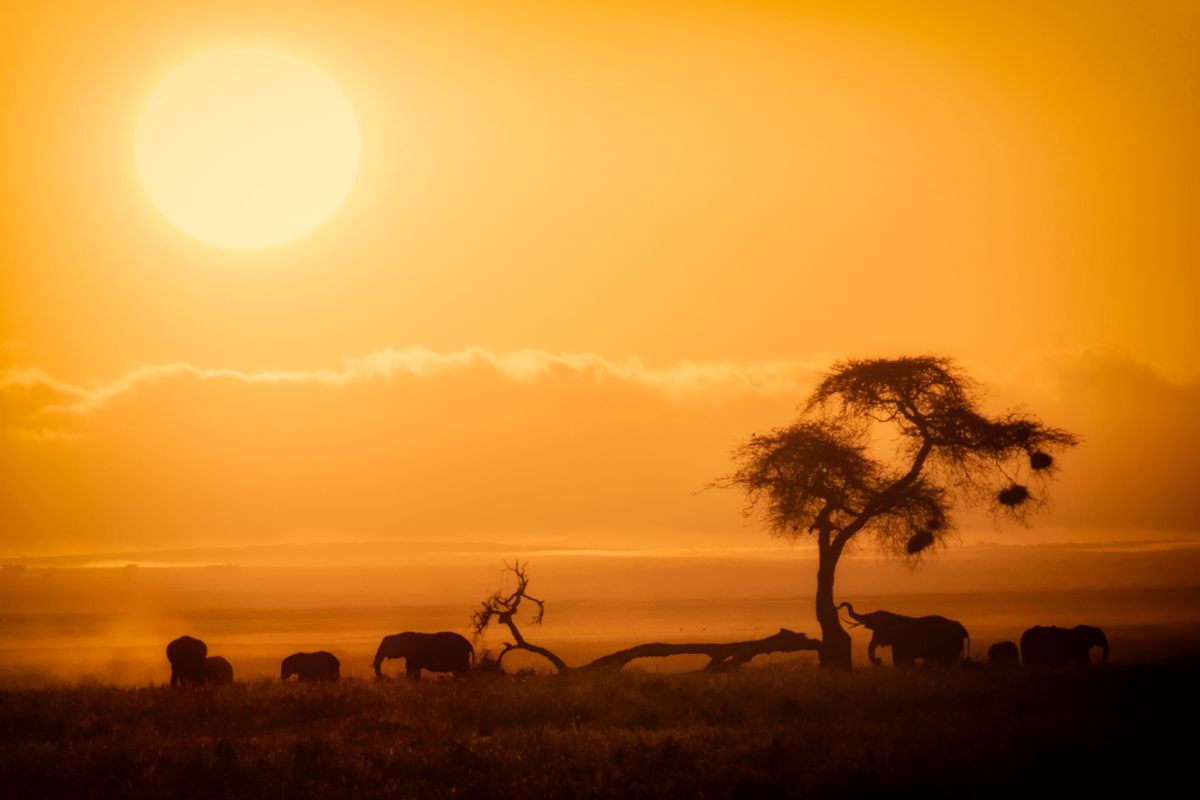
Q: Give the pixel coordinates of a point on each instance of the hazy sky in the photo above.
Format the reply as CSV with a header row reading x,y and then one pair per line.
x,y
589,248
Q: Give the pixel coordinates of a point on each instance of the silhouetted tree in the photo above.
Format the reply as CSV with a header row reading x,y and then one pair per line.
x,y
504,608
886,448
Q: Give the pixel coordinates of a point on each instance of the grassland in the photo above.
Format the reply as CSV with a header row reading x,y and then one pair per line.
x,y
773,731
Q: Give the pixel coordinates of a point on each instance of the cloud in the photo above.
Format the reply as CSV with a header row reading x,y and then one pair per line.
x,y
392,443
568,449
31,392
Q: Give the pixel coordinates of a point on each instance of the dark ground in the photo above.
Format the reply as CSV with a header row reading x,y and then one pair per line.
x,y
772,731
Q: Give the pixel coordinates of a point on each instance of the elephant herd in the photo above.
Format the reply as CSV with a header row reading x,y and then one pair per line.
x,y
191,663
938,640
434,652
932,639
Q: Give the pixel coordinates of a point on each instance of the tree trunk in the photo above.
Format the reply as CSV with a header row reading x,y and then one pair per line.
x,y
835,642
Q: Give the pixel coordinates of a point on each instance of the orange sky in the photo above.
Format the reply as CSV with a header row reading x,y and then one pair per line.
x,y
590,247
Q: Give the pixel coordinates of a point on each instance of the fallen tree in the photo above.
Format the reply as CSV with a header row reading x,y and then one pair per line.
x,y
722,655
504,608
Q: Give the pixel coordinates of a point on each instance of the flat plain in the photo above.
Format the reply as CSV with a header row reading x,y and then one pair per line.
x,y
776,730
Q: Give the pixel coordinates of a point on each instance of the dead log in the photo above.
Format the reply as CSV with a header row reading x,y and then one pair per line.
x,y
722,655
503,608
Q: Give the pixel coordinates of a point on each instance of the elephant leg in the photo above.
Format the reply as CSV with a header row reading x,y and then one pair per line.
x,y
413,672
874,659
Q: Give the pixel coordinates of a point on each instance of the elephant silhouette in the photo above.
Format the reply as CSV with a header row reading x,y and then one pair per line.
x,y
217,670
187,657
436,652
1004,654
1052,646
318,666
932,639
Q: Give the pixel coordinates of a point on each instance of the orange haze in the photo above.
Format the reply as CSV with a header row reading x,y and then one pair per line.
x,y
590,248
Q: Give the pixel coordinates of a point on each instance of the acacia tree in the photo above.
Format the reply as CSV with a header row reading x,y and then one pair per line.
x,y
883,450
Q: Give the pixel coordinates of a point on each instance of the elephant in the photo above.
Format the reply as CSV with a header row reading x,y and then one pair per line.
x,y
187,660
318,666
217,670
1048,646
1004,654
436,652
933,639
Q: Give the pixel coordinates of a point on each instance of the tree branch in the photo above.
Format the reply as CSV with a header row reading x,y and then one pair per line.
x,y
880,502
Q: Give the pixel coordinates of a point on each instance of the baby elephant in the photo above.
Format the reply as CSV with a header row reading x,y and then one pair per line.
x,y
1004,654
217,670
318,666
191,664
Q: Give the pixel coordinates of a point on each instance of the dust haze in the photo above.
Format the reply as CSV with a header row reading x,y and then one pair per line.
x,y
81,619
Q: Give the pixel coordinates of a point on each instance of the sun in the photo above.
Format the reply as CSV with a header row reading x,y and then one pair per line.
x,y
246,149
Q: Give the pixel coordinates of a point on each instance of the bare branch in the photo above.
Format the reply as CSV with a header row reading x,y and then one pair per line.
x,y
503,608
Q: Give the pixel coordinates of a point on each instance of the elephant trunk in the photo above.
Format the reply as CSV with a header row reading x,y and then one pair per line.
x,y
850,610
1104,648
380,655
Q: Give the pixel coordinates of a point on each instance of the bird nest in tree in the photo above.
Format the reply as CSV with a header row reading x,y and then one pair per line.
x,y
1039,460
919,541
1013,495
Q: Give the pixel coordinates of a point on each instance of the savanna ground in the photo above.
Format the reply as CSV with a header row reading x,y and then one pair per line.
x,y
777,730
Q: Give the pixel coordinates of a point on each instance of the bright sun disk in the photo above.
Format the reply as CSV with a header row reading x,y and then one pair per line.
x,y
246,148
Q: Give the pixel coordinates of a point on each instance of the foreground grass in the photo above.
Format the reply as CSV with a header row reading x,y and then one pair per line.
x,y
773,731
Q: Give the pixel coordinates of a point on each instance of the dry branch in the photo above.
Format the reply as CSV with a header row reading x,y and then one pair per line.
x,y
503,608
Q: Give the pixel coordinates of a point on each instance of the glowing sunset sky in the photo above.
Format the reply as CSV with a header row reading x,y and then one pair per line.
x,y
588,249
